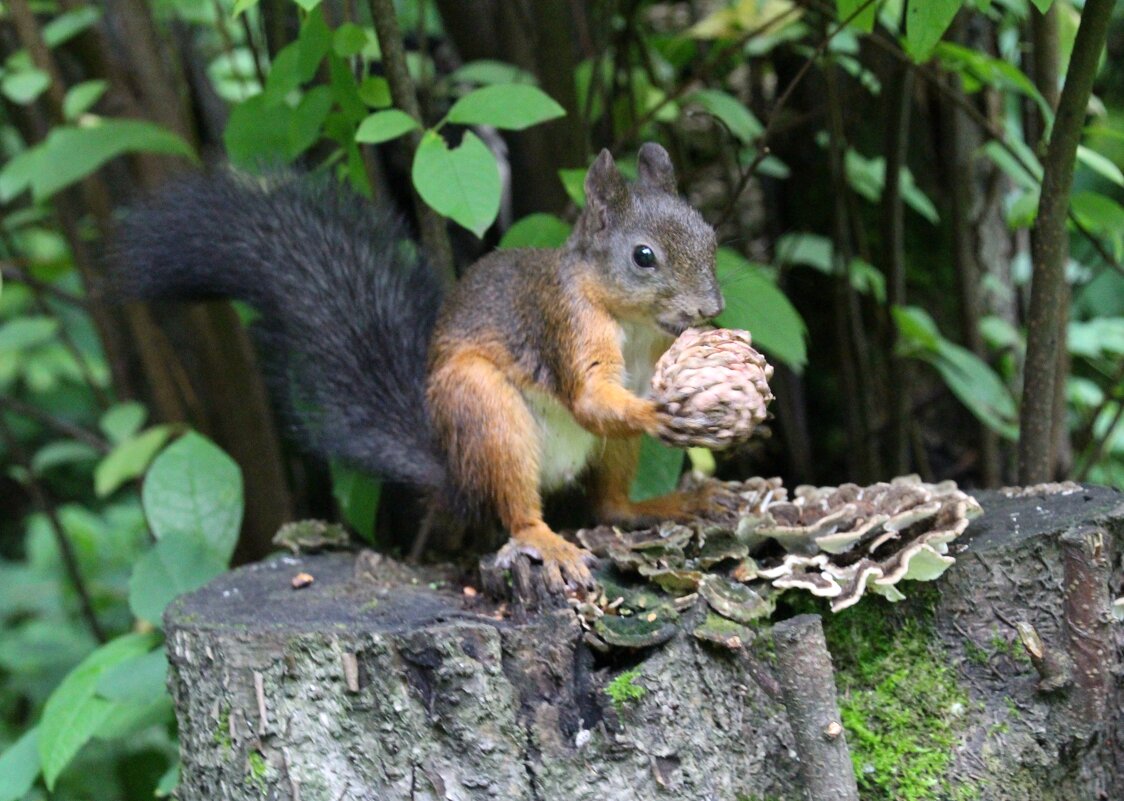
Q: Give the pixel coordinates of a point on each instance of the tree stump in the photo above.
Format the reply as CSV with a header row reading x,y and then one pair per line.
x,y
382,682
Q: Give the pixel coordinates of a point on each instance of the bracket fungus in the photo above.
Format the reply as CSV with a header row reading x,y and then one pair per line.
x,y
715,387
833,542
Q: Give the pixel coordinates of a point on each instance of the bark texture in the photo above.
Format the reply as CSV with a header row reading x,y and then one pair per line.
x,y
374,684
808,682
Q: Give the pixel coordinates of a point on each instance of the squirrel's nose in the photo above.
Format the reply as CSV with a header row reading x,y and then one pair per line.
x,y
712,308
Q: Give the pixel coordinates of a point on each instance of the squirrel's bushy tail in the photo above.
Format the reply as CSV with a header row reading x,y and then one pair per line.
x,y
346,304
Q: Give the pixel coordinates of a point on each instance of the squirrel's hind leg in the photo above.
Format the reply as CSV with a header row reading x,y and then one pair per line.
x,y
492,443
610,479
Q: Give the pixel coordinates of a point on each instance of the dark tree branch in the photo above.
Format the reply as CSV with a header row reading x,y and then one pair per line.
x,y
435,238
897,96
1049,246
66,550
14,273
57,423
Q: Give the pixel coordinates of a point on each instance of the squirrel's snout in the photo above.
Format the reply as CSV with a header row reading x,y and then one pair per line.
x,y
712,308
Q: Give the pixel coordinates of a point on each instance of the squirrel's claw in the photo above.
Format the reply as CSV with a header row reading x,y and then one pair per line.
x,y
563,563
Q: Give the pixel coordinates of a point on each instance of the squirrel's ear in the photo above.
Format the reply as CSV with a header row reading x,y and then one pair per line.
x,y
654,168
604,187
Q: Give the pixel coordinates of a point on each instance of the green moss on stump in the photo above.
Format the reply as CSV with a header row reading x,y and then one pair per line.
x,y
903,707
623,689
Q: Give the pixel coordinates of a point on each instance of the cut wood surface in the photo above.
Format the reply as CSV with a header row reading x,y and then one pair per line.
x,y
383,682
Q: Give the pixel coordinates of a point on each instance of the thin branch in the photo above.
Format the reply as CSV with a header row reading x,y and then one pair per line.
x,y
762,142
66,550
1049,245
57,423
435,238
13,273
699,74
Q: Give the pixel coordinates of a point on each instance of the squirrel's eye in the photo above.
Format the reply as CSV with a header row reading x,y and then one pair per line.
x,y
644,256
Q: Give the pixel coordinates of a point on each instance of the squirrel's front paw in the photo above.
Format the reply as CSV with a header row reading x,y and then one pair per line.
x,y
563,563
678,431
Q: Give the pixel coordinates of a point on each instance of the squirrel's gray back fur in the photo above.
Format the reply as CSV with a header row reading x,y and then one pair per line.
x,y
347,306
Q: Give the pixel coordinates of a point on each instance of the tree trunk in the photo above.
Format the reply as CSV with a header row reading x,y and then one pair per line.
x,y
1050,244
381,682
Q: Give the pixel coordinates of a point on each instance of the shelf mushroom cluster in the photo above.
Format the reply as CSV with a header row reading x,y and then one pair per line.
x,y
833,542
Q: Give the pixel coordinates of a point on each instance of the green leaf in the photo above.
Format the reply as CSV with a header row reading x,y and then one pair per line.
x,y
81,97
307,119
755,304
573,181
1042,5
73,713
262,131
1000,334
864,20
536,231
658,471
969,378
63,27
868,178
122,421
23,333
63,452
382,126
375,92
242,6
512,106
916,330
486,72
178,563
1102,165
126,720
358,496
811,250
23,87
1014,167
19,766
195,489
1022,210
868,280
926,22
169,781
71,153
977,68
307,5
1103,215
349,40
139,680
978,387
731,111
462,184
129,459
298,62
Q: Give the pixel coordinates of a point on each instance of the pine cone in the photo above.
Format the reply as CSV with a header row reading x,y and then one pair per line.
x,y
715,387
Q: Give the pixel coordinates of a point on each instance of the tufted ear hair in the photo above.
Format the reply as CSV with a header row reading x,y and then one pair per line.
x,y
654,168
604,190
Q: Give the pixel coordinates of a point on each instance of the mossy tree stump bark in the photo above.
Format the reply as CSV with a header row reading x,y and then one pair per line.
x,y
380,682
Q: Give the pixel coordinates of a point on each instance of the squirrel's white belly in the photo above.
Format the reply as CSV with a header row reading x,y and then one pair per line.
x,y
564,446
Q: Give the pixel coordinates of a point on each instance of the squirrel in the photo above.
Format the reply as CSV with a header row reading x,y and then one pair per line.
x,y
528,376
